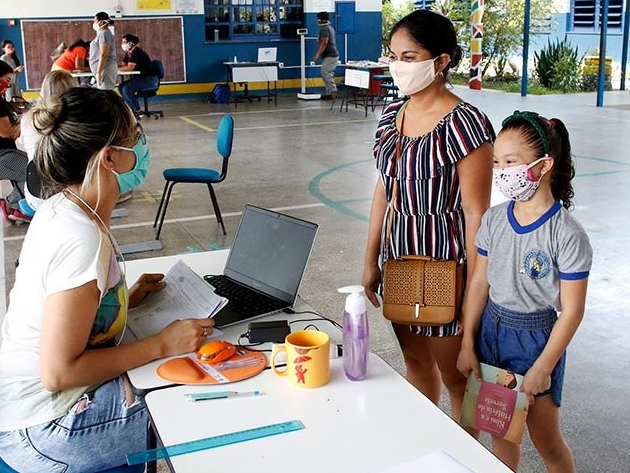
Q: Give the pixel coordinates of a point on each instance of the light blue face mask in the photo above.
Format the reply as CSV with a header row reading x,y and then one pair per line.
x,y
127,181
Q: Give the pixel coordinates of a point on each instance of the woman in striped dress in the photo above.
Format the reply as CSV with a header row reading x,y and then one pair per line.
x,y
444,174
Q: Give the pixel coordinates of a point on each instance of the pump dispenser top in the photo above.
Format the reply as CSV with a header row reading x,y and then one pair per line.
x,y
356,340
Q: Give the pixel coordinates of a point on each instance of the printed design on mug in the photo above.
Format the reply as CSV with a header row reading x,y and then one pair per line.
x,y
536,264
299,374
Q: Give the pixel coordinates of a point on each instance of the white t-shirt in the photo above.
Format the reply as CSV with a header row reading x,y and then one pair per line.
x,y
63,249
27,142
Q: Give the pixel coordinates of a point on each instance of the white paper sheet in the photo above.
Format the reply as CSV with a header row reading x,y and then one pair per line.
x,y
186,295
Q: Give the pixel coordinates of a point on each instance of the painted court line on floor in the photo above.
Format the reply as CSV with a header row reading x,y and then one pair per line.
x,y
193,219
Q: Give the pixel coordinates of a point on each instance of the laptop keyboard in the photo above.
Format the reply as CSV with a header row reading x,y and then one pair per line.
x,y
242,299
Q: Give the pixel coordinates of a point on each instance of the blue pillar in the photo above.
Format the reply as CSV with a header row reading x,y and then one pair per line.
x,y
624,49
528,6
601,74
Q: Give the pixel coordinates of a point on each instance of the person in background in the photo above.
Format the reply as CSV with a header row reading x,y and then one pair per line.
x,y
62,364
13,162
135,59
534,261
10,57
73,58
54,84
327,50
103,61
444,171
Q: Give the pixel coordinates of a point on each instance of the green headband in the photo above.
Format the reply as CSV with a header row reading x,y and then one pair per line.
x,y
530,117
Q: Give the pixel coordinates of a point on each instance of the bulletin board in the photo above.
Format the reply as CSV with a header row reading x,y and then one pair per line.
x,y
161,37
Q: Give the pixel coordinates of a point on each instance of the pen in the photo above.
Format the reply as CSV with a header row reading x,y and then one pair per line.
x,y
219,395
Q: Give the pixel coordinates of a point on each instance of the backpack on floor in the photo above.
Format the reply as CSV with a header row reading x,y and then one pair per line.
x,y
220,93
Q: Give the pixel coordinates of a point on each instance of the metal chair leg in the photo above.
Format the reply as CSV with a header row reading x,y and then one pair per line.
x,y
157,215
163,215
215,204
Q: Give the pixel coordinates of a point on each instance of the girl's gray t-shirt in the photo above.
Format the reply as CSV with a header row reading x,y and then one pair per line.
x,y
527,263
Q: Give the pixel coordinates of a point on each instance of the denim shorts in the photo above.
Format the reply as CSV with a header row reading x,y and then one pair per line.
x,y
514,340
93,440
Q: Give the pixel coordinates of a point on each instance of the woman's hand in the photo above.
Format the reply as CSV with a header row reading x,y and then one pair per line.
x,y
145,284
536,381
468,362
20,68
184,336
370,281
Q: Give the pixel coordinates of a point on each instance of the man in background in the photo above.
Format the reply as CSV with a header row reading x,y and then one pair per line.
x,y
327,50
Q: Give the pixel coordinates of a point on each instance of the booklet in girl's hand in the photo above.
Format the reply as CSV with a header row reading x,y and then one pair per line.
x,y
495,404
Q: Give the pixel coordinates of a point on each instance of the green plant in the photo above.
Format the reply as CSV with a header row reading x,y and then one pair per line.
x,y
558,65
391,13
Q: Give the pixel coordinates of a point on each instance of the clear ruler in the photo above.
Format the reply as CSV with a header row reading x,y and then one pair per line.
x,y
213,442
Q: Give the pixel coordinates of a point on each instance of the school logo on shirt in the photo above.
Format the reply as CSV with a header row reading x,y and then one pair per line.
x,y
536,264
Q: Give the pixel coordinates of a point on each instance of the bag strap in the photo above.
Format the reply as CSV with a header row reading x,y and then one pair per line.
x,y
390,217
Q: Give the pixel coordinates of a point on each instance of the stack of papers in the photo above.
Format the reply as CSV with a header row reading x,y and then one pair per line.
x,y
185,296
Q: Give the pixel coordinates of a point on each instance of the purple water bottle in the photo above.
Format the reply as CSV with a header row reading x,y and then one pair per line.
x,y
356,336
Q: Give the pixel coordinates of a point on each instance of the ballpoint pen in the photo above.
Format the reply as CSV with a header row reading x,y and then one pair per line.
x,y
219,395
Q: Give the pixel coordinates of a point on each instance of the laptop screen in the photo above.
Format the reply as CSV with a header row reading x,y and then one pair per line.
x,y
267,54
270,252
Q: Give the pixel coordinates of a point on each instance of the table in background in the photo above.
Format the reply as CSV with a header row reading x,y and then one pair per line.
x,y
144,378
247,72
351,427
374,68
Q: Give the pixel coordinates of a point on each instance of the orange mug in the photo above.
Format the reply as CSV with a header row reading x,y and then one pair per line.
x,y
308,358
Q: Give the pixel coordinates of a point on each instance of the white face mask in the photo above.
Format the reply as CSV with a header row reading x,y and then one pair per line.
x,y
517,182
126,47
412,77
95,26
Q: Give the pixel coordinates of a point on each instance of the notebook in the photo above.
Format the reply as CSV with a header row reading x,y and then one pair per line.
x,y
267,54
265,265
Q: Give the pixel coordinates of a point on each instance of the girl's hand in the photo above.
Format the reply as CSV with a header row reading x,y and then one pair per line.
x,y
536,381
370,281
184,336
20,68
145,284
467,361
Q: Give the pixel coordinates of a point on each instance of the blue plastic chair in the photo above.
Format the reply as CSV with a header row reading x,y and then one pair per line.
x,y
149,92
225,137
4,468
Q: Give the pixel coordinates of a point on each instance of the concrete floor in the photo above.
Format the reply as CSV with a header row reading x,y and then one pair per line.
x,y
314,163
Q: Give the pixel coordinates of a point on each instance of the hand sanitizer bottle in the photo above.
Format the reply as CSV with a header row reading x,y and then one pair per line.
x,y
356,338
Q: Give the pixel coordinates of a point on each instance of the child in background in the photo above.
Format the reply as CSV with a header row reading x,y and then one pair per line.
x,y
10,57
534,261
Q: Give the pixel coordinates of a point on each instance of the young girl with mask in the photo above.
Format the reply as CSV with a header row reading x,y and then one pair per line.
x,y
11,58
103,62
534,261
443,173
66,403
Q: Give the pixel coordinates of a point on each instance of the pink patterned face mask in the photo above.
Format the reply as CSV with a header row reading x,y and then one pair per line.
x,y
517,182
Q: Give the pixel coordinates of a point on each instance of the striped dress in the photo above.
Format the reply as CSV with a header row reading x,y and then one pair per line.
x,y
428,218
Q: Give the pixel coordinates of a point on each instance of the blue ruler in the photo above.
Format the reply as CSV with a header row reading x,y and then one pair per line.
x,y
212,442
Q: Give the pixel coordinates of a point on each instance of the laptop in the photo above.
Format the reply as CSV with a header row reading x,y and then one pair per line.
x,y
265,265
267,54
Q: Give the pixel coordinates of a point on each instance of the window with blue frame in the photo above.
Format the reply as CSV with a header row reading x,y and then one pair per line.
x,y
585,12
252,19
423,4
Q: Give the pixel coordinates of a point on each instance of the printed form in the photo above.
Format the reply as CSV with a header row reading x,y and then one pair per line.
x,y
186,295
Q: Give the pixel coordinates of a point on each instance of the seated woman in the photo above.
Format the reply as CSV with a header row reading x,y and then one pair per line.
x,y
73,58
62,364
12,161
135,60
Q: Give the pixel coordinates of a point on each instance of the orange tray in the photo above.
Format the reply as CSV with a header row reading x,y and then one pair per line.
x,y
188,370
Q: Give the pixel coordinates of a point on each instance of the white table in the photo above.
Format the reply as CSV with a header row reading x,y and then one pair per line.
x,y
144,378
246,72
91,74
351,427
